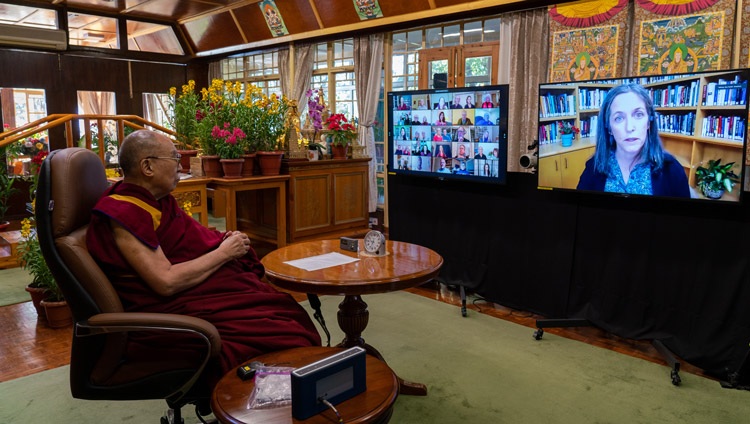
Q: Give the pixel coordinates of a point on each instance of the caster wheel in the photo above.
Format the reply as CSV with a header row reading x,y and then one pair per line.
x,y
463,311
538,334
676,380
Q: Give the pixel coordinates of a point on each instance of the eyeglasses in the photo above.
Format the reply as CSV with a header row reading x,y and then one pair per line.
x,y
175,158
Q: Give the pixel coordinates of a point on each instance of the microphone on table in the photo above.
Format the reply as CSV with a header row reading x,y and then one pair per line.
x,y
315,304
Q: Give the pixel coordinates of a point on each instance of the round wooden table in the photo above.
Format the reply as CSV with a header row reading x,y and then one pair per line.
x,y
405,265
230,397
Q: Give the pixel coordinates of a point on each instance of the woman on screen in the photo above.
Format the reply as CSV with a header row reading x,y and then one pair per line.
x,y
487,103
441,104
441,119
629,156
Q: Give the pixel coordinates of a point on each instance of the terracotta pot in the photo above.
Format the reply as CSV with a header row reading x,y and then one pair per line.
x,y
37,295
232,167
212,167
4,224
185,158
249,167
339,152
58,314
270,162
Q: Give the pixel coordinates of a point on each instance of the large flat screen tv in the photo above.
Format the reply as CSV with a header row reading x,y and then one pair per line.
x,y
674,136
454,133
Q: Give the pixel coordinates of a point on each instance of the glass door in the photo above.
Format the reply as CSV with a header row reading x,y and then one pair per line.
x,y
461,66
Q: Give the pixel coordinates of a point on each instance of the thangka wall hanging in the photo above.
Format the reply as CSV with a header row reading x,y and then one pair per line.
x,y
273,18
685,36
367,9
586,39
745,40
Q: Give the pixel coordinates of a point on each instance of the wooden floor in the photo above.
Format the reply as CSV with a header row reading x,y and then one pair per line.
x,y
29,347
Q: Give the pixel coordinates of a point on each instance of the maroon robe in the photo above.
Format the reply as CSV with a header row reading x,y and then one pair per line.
x,y
251,316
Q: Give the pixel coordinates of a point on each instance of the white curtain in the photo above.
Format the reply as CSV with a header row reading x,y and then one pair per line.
x,y
214,71
368,61
295,86
96,102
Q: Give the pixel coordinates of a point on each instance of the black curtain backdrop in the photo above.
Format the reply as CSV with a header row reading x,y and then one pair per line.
x,y
640,268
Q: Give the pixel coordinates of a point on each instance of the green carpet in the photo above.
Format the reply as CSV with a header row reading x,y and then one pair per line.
x,y
13,282
477,369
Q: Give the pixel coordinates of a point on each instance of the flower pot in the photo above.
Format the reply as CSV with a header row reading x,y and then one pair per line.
x,y
270,162
37,295
713,194
4,224
339,152
567,140
249,167
185,158
212,167
232,167
58,314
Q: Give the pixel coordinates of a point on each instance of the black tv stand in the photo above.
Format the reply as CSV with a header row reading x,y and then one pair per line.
x,y
668,356
541,324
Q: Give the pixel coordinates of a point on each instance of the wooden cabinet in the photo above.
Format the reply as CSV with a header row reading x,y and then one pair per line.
x,y
563,169
327,198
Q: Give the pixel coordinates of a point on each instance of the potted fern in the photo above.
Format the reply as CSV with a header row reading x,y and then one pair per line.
x,y
715,179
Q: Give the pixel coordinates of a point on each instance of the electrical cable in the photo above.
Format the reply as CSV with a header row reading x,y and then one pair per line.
x,y
335,411
318,315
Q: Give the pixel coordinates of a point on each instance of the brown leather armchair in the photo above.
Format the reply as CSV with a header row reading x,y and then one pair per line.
x,y
70,182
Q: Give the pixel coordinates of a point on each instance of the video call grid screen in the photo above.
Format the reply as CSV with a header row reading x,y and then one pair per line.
x,y
454,133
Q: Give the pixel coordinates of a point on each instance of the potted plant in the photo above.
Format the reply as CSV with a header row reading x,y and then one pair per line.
x,y
715,179
6,192
184,116
230,148
341,133
316,114
567,133
52,301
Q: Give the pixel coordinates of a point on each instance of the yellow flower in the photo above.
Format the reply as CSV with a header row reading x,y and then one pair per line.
x,y
39,146
25,228
187,206
172,91
111,173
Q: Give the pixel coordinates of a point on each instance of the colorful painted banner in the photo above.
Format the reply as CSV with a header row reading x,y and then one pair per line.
x,y
584,54
367,9
679,44
273,18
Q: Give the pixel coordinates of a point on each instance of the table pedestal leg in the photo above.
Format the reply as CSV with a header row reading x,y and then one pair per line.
x,y
353,317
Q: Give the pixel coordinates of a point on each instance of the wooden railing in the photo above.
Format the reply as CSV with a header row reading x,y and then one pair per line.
x,y
69,120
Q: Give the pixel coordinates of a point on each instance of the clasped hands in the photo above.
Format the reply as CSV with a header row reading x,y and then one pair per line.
x,y
235,243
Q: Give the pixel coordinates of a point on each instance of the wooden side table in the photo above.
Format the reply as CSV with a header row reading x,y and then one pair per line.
x,y
9,249
230,397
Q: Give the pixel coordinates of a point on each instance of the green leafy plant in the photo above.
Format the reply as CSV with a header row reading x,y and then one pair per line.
x,y
716,178
31,259
184,115
6,191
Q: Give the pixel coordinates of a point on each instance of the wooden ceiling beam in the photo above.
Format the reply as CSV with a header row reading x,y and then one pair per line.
x,y
365,25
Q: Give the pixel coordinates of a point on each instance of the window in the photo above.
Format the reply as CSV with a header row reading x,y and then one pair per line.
x,y
334,61
148,37
261,69
92,31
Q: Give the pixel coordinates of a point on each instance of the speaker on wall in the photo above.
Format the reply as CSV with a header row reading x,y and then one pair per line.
x,y
440,80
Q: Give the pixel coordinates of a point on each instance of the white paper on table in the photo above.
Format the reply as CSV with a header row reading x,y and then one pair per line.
x,y
325,260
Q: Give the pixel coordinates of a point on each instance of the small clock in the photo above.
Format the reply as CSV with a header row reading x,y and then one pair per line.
x,y
375,243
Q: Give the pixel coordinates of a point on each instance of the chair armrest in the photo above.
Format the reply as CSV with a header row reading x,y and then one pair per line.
x,y
139,321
